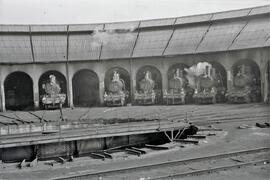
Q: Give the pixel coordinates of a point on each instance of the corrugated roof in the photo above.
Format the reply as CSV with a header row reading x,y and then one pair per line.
x,y
85,27
260,10
254,34
48,47
231,14
212,32
186,39
157,22
48,28
15,48
83,47
194,19
118,45
152,43
123,25
14,28
220,36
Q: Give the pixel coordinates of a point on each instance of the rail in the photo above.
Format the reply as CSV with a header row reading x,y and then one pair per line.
x,y
148,167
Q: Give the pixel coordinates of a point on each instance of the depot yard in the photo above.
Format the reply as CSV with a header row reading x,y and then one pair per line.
x,y
194,113
232,128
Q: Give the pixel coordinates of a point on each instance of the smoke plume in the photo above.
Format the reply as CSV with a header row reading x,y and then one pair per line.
x,y
195,71
112,36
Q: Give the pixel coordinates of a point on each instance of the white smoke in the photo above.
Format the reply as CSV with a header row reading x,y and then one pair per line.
x,y
195,71
112,36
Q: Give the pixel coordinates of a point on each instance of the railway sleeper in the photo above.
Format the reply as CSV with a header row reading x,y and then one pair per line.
x,y
187,141
137,149
156,147
210,129
196,136
107,155
97,155
132,151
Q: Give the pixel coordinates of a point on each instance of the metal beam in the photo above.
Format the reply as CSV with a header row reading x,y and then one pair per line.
x,y
240,31
101,47
135,43
31,44
170,37
204,33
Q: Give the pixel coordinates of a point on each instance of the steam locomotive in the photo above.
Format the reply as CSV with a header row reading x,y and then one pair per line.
x,y
117,94
147,94
209,87
52,97
177,89
245,88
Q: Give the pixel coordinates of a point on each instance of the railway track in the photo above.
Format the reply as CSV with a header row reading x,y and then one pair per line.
x,y
181,168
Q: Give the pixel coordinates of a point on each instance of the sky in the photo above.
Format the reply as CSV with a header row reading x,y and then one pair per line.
x,y
100,11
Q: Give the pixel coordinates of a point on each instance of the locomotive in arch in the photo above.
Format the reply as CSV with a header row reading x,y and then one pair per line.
x,y
246,86
117,94
146,94
53,97
176,92
209,87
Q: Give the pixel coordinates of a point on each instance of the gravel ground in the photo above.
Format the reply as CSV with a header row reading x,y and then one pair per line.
x,y
230,139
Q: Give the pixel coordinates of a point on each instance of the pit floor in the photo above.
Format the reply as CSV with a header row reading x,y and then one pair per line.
x,y
224,116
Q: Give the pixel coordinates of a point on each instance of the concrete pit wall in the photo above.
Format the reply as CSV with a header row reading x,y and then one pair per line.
x,y
76,148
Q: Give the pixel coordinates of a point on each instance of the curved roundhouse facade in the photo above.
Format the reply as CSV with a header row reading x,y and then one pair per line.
x,y
83,56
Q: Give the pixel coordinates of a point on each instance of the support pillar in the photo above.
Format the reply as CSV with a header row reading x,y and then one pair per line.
x,y
132,77
229,79
101,88
267,83
132,84
35,78
36,94
164,80
70,93
2,97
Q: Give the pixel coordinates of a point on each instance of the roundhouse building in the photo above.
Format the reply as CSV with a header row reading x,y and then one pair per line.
x,y
83,57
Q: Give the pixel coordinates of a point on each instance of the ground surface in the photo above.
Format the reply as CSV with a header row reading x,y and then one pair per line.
x,y
227,117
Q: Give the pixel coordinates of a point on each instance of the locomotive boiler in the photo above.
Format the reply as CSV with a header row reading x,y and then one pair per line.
x,y
52,97
245,88
116,95
177,89
146,95
206,91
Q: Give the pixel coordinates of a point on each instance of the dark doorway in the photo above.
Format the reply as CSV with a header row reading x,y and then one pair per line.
x,y
18,88
85,85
